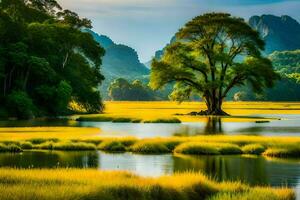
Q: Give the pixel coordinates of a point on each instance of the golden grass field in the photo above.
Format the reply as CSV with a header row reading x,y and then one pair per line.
x,y
240,111
69,184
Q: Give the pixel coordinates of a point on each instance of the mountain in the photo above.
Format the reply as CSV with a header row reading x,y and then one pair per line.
x,y
280,33
120,61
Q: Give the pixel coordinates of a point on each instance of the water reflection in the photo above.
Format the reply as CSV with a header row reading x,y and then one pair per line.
x,y
50,159
251,170
289,126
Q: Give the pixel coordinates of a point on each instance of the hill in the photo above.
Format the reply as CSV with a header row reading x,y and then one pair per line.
x,y
120,61
279,33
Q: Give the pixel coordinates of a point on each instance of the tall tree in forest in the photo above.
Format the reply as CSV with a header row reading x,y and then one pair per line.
x,y
213,53
46,57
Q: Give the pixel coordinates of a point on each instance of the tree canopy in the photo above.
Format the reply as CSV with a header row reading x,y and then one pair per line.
x,y
122,90
213,53
46,60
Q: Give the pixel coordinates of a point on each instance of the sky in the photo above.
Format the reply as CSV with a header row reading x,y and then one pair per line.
x,y
148,25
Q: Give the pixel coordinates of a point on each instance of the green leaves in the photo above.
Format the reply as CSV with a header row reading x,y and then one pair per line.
x,y
213,53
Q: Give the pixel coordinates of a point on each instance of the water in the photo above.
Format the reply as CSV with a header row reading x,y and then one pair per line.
x,y
288,126
255,170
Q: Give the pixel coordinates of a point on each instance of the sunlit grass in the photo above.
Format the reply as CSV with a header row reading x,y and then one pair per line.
x,y
199,145
67,184
240,111
45,133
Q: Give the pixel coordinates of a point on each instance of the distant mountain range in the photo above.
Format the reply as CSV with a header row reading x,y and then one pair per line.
x,y
120,61
279,33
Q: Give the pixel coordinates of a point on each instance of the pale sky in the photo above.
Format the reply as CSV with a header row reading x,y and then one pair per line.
x,y
148,25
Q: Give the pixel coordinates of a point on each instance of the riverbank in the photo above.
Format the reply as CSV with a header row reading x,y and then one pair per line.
x,y
70,184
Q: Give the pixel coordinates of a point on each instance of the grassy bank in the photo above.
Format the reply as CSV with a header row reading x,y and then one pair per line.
x,y
149,111
103,118
283,147
65,184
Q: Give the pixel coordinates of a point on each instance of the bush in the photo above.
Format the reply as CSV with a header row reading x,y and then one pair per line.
x,y
229,149
164,121
195,148
149,147
3,148
95,119
256,149
69,146
112,146
42,140
26,145
20,105
45,146
14,148
122,120
283,153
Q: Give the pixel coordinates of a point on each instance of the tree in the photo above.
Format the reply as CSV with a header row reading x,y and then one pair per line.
x,y
213,53
121,90
46,57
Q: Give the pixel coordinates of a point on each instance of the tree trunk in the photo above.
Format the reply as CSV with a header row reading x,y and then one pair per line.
x,y
214,106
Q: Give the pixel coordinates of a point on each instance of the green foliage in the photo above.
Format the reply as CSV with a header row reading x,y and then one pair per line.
x,y
149,147
255,149
164,121
283,152
46,57
197,149
210,61
20,105
112,146
121,90
287,62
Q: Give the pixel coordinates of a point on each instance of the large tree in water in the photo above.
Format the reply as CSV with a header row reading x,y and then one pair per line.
x,y
212,54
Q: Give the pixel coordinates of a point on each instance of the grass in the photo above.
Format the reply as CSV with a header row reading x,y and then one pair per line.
x,y
290,152
61,138
148,111
149,147
254,149
112,146
67,184
103,118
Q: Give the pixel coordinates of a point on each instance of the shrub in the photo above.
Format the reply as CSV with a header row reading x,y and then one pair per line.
x,y
283,153
228,149
20,105
3,148
149,147
45,146
26,145
255,149
69,146
97,118
197,149
162,121
14,148
112,146
42,140
122,120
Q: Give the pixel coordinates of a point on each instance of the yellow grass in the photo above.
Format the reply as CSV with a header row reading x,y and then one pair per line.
x,y
154,110
65,184
47,132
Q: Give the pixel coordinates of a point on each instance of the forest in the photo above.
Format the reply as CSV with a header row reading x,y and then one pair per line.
x,y
45,57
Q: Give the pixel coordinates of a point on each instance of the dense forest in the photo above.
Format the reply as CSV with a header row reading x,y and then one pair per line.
x,y
46,60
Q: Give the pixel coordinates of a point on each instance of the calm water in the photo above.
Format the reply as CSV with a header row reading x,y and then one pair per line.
x,y
289,125
251,170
